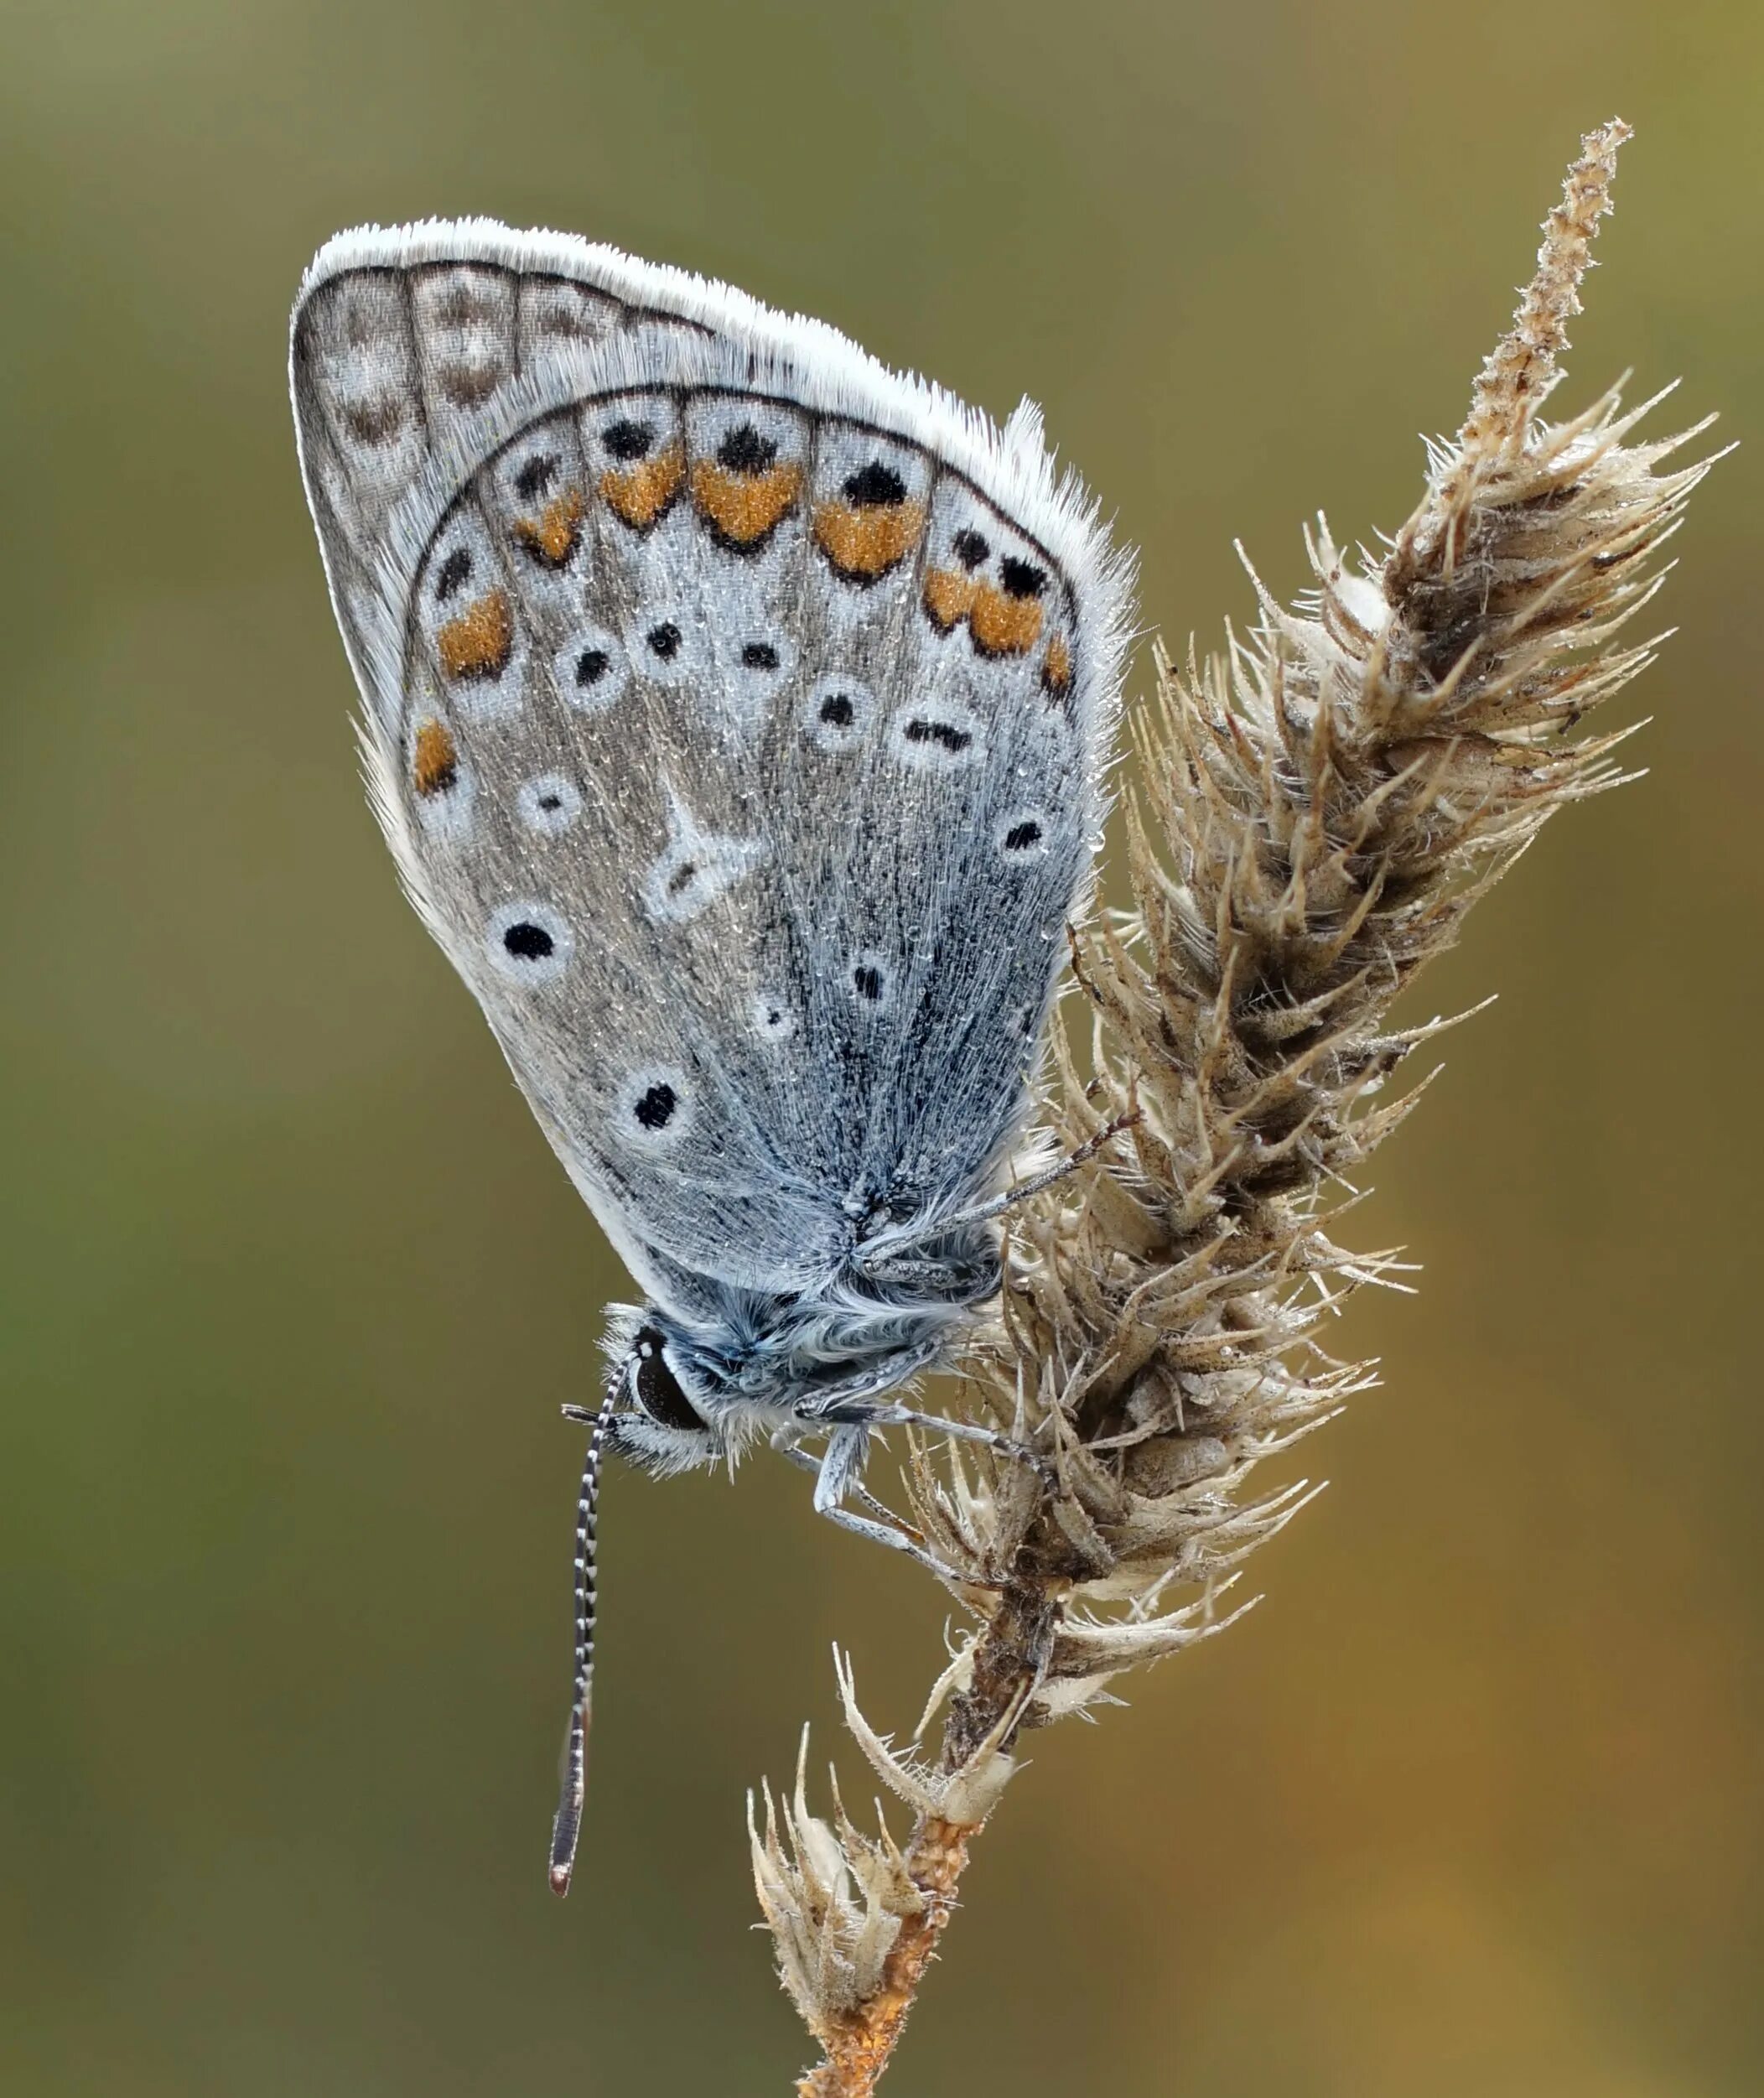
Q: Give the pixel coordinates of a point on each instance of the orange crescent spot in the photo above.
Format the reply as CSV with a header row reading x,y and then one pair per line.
x,y
1056,669
863,541
551,537
744,508
949,597
480,642
435,761
1002,625
642,494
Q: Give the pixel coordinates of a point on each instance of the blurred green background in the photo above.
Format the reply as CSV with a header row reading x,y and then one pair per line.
x,y
1472,1805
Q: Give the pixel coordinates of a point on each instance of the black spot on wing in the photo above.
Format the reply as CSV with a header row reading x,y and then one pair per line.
x,y
453,572
528,942
875,487
744,451
628,440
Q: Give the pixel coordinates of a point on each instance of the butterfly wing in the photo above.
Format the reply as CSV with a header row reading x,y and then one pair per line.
x,y
736,710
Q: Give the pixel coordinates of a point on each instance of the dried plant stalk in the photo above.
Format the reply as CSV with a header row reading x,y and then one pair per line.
x,y
1319,808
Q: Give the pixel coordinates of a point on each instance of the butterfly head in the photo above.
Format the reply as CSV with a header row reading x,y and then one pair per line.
x,y
662,1424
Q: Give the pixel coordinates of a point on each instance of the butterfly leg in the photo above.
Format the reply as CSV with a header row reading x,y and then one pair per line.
x,y
836,1476
886,1416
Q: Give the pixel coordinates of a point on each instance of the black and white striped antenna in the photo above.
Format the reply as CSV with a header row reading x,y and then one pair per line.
x,y
567,1825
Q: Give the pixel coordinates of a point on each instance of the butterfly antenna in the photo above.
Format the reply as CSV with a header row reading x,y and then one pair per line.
x,y
567,1825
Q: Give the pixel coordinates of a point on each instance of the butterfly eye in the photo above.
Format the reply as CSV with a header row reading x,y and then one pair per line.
x,y
657,1388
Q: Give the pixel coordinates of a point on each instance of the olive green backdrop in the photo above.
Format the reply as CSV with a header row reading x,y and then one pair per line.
x,y
291,1290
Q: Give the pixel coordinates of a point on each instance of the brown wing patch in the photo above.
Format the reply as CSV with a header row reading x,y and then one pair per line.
x,y
643,494
465,325
478,644
374,421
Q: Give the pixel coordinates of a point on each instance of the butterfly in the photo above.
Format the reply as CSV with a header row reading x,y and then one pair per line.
x,y
737,711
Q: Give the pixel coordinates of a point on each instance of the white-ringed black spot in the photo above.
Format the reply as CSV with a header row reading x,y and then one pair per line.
x,y
654,1108
758,656
548,805
838,712
665,643
744,451
871,979
529,943
628,440
591,669
455,571
1021,579
971,549
773,1018
696,867
945,734
937,735
1023,836
876,487
536,476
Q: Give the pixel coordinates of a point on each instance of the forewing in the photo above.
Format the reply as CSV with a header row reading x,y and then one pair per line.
x,y
736,710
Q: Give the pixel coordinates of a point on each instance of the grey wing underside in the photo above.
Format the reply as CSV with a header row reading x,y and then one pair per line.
x,y
741,751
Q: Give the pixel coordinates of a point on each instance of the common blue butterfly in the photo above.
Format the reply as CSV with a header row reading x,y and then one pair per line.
x,y
736,710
